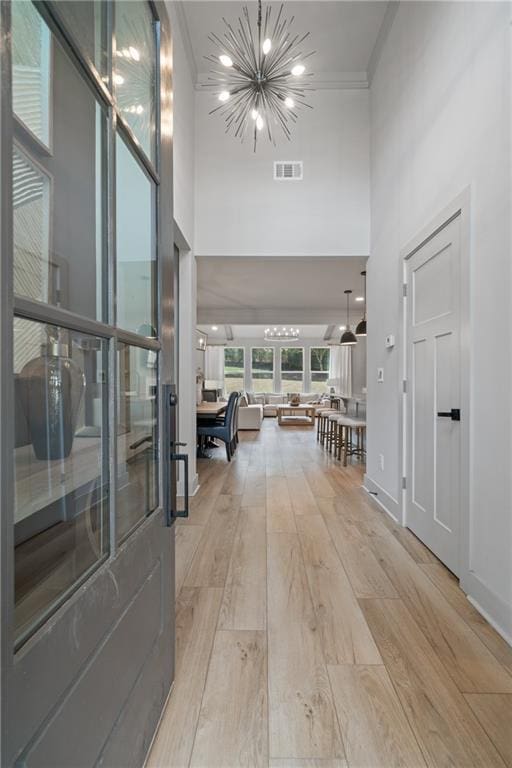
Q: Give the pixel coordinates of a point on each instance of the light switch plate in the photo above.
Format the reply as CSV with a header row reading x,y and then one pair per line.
x,y
390,341
380,375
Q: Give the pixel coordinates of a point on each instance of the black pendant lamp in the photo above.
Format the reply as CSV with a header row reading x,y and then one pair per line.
x,y
361,326
348,339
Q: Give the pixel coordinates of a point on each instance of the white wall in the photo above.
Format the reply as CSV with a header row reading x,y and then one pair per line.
x,y
183,210
440,122
241,210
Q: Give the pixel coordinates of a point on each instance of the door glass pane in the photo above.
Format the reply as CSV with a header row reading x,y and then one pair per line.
x,y
319,362
137,475
31,76
135,245
134,70
262,369
60,463
87,22
233,369
59,229
292,369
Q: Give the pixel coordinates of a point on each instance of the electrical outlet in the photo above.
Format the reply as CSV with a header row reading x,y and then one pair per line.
x,y
381,462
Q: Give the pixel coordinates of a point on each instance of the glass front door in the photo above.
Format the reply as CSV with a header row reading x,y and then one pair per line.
x,y
86,353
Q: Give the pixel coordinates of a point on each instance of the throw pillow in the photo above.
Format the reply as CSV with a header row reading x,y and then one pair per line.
x,y
251,398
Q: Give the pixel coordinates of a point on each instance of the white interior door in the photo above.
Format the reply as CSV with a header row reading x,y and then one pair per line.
x,y
434,392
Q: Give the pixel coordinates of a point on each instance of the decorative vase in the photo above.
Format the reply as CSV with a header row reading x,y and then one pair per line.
x,y
53,389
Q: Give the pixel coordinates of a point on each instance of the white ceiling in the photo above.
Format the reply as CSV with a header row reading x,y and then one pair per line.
x,y
343,34
257,290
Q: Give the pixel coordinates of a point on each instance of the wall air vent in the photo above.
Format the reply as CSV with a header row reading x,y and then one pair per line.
x,y
288,170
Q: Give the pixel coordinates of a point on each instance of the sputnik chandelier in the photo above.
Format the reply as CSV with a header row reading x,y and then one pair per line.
x,y
281,334
262,79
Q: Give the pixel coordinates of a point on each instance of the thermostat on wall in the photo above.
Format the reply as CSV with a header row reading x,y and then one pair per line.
x,y
390,341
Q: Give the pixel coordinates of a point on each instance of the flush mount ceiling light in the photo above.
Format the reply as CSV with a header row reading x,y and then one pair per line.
x,y
262,79
348,339
361,326
281,334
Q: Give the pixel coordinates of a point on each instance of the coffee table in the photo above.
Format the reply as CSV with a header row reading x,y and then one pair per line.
x,y
298,415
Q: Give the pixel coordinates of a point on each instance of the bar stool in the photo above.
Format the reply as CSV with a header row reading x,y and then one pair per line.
x,y
345,427
323,416
332,430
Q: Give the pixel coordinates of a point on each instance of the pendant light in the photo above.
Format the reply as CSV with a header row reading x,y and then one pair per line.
x,y
348,339
361,326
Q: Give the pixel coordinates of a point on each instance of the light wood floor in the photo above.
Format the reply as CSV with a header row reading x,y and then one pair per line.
x,y
312,632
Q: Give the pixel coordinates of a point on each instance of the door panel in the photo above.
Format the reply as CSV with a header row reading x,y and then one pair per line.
x,y
433,354
87,624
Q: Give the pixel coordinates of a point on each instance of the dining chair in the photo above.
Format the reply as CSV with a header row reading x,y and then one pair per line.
x,y
223,430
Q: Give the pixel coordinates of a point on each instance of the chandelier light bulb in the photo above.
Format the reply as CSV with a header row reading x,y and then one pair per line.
x,y
259,122
225,60
126,53
267,45
298,70
254,114
224,95
289,102
118,79
134,53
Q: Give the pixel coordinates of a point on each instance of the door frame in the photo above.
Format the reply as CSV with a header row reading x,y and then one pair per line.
x,y
459,207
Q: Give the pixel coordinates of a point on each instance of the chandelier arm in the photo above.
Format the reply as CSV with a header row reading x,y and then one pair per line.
x,y
282,119
250,36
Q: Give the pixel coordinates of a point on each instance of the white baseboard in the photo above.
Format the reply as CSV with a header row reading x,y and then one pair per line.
x,y
383,499
491,606
193,486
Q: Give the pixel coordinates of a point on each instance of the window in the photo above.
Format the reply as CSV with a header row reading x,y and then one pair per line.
x,y
262,369
59,201
292,369
319,366
135,246
135,70
60,465
234,368
137,476
31,76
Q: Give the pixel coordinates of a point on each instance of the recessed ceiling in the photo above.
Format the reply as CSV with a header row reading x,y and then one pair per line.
x,y
255,290
343,34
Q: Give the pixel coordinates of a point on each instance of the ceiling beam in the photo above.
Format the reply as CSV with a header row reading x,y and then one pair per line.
x,y
328,332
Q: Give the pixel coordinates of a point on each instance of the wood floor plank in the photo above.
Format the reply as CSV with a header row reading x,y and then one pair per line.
x,y
255,488
244,605
319,483
301,495
203,503
373,725
345,636
417,550
287,762
302,722
367,577
280,517
234,480
494,711
448,584
233,721
210,565
187,540
359,518
197,612
469,662
444,725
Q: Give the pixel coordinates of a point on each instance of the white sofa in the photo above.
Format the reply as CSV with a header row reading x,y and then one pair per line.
x,y
269,400
250,416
